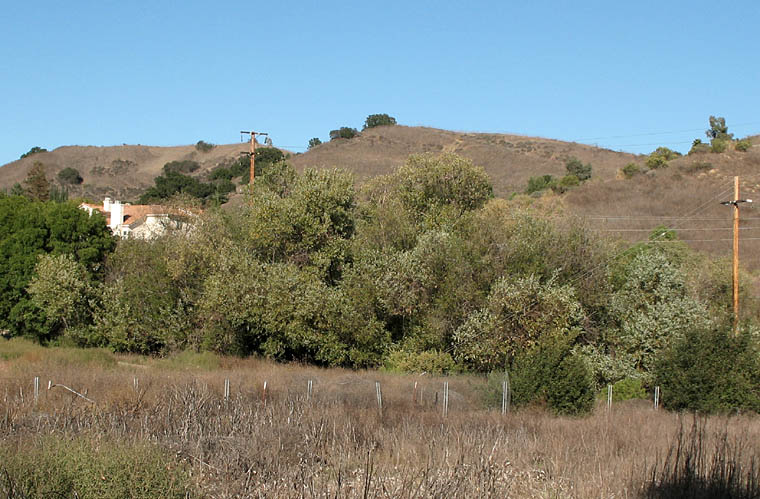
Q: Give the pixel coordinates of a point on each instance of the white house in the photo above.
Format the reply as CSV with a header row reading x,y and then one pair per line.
x,y
142,221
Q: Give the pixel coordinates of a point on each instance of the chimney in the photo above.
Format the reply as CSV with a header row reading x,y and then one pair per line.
x,y
107,204
117,215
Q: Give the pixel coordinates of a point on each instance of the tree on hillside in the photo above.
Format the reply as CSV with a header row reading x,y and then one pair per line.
x,y
718,129
374,120
314,142
70,176
33,150
576,167
37,184
343,132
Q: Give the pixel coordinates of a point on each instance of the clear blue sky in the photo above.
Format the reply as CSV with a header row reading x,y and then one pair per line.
x,y
616,74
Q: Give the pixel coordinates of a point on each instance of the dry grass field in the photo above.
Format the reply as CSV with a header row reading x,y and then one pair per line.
x,y
335,443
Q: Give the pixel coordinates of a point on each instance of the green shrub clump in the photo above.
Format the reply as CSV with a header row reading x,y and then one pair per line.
x,y
203,146
631,170
710,370
660,157
429,361
699,147
60,467
70,176
743,145
550,373
718,145
627,389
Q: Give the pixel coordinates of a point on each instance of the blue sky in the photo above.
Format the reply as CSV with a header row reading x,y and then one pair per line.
x,y
622,75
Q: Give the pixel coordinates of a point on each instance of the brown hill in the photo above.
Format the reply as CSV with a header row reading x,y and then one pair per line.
x,y
509,159
122,172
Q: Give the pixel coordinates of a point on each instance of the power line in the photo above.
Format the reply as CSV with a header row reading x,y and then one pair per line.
x,y
669,229
649,134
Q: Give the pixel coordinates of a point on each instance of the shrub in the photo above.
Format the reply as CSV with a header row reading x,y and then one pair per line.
x,y
343,132
660,157
539,183
630,170
743,145
70,176
575,167
33,150
429,361
565,184
718,145
627,389
314,142
550,373
710,370
203,146
699,147
60,467
186,166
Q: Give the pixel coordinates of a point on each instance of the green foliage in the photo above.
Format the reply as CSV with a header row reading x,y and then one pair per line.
x,y
428,361
374,120
16,190
718,130
660,157
699,147
203,146
743,145
718,145
539,183
518,314
28,229
314,142
171,183
550,373
627,389
576,167
630,170
344,132
711,370
185,166
33,150
221,173
62,289
54,466
427,183
70,176
37,184
58,195
565,184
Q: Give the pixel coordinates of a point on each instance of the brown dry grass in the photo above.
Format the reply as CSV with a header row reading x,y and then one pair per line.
x,y
337,444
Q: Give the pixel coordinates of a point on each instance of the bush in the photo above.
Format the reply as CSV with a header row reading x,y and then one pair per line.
x,y
70,176
575,167
718,145
314,142
743,145
550,373
539,183
33,150
374,120
186,166
429,361
699,147
203,146
660,157
60,467
565,184
630,170
710,370
343,132
627,389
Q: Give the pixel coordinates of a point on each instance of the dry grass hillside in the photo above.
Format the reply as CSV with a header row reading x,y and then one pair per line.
x,y
686,196
509,159
123,172
126,171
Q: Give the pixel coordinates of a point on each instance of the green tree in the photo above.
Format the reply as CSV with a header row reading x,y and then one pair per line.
x,y
62,288
718,129
70,176
203,146
33,150
576,167
374,120
29,229
659,158
343,132
37,184
539,183
314,142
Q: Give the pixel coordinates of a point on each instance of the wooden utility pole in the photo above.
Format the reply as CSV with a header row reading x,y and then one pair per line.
x,y
735,204
253,155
